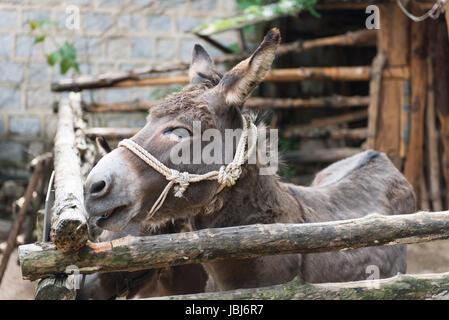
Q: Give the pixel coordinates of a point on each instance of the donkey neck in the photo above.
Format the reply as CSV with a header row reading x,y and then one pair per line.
x,y
253,199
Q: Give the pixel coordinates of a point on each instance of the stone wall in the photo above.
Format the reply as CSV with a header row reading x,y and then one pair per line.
x,y
113,35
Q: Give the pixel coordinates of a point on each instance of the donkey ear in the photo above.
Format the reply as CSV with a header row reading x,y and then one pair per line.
x,y
202,67
237,84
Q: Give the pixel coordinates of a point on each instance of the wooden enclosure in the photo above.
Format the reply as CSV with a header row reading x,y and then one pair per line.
x,y
406,114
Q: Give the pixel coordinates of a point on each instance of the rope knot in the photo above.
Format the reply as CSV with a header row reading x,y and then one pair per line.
x,y
182,179
228,175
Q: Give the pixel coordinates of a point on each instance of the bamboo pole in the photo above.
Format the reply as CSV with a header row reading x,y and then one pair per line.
x,y
242,242
69,223
399,287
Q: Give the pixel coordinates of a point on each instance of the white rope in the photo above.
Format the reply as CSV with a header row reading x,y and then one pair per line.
x,y
226,176
437,9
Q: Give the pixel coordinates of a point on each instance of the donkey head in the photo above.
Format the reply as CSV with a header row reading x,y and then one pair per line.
x,y
122,187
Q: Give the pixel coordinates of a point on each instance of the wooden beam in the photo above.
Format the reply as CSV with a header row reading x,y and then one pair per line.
x,y
69,223
399,287
138,253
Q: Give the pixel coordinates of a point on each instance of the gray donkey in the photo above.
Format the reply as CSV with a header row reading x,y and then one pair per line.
x,y
122,188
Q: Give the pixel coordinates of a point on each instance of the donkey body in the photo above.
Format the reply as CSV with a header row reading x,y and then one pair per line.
x,y
121,188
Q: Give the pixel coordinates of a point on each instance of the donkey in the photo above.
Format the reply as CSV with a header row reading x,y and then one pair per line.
x,y
122,189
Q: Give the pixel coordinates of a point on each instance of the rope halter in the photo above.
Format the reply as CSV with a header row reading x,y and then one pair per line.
x,y
226,176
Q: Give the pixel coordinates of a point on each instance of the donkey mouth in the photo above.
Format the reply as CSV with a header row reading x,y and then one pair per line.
x,y
113,219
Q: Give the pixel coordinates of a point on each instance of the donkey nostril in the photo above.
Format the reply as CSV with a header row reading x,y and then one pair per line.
x,y
97,187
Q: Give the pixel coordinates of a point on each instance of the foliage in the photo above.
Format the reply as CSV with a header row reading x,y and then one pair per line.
x,y
255,12
65,54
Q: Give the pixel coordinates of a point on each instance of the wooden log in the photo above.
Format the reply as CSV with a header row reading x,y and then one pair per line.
x,y
242,242
293,131
110,78
393,41
350,38
111,133
69,223
335,101
374,95
55,288
361,73
432,143
418,84
319,155
399,287
14,231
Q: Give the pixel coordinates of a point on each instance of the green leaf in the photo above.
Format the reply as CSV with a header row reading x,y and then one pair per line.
x,y
39,39
32,24
53,57
65,65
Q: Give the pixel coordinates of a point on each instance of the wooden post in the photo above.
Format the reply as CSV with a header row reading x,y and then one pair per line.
x,y
393,43
440,49
418,86
432,138
242,242
69,223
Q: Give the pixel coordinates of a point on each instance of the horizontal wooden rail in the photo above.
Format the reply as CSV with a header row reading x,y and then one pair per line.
x,y
138,253
335,101
288,75
399,287
361,73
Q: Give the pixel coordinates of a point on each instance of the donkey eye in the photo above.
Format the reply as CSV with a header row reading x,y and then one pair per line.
x,y
177,133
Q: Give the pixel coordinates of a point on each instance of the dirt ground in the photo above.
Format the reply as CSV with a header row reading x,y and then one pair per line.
x,y
432,257
12,286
